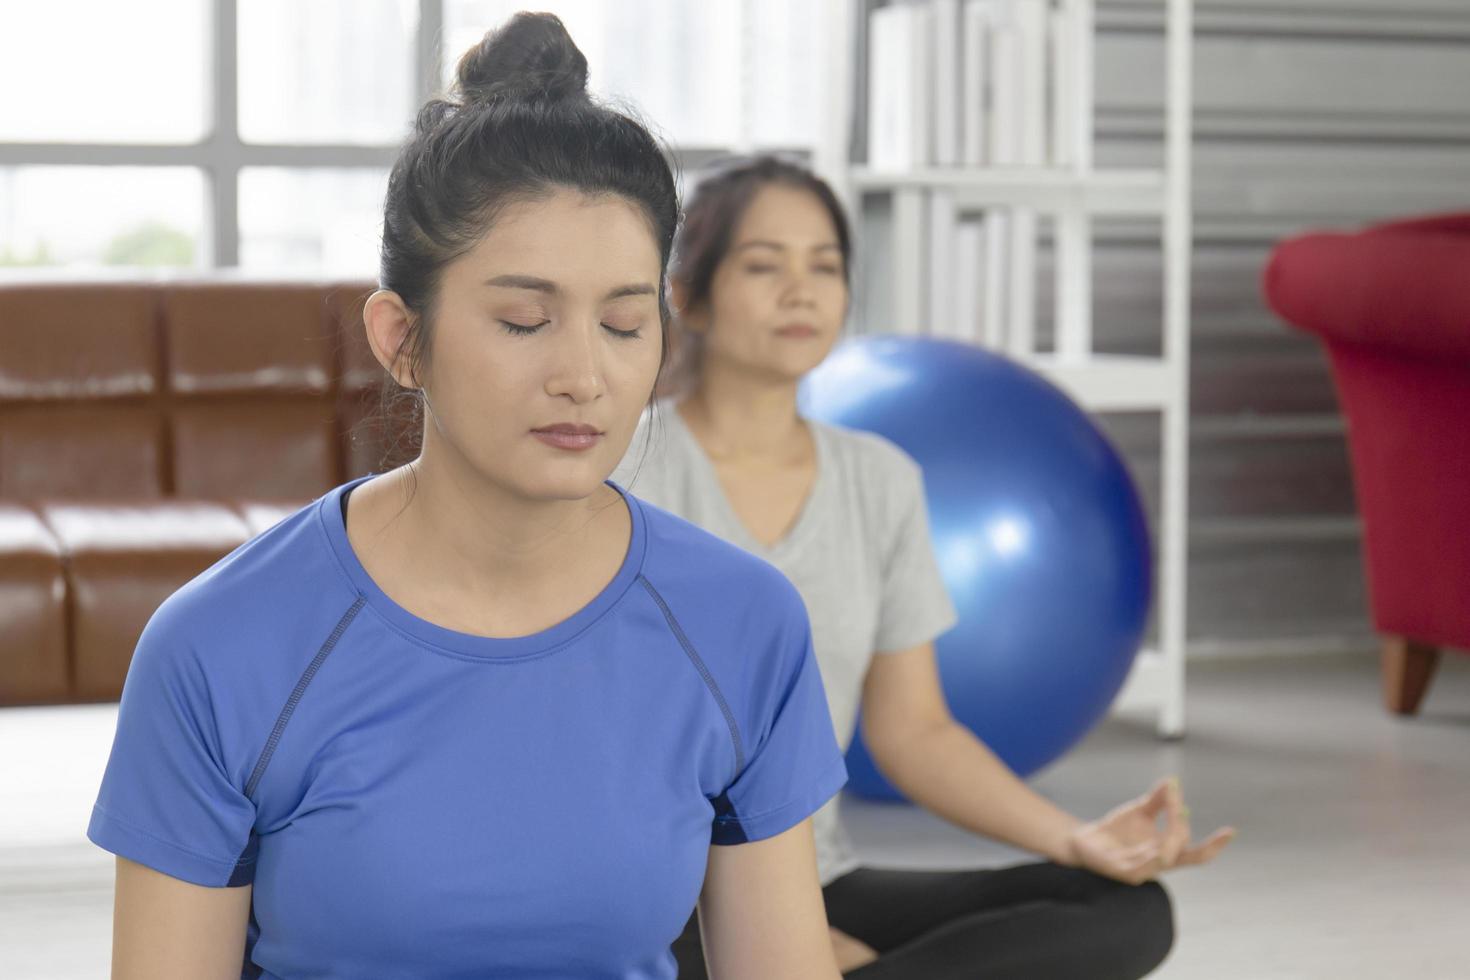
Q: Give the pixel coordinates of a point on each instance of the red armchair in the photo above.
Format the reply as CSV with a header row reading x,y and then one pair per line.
x,y
1391,305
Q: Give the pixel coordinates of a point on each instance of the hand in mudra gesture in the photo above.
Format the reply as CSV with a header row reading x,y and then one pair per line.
x,y
1144,837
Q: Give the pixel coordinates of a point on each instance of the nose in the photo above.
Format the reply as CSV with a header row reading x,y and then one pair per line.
x,y
798,291
576,371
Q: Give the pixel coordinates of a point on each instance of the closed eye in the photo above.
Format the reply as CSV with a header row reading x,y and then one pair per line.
x,y
526,329
522,329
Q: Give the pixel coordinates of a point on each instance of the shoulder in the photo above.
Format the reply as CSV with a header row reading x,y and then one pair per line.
x,y
740,621
695,565
252,611
868,454
882,481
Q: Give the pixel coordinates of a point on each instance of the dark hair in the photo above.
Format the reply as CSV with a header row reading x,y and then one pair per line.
x,y
710,220
517,125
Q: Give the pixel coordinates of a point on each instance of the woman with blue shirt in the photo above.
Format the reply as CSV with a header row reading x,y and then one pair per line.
x,y
484,715
760,285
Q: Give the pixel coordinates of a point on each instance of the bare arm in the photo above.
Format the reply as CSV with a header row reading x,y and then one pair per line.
x,y
167,929
761,912
946,769
943,767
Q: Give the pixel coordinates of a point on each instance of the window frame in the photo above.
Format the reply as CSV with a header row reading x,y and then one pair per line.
x,y
221,155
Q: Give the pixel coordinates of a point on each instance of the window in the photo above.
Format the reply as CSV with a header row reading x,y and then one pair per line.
x,y
326,71
95,216
696,71
311,219
121,143
122,79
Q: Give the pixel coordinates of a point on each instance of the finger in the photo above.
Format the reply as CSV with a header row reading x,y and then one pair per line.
x,y
1210,849
1125,857
1127,863
1176,825
1144,868
1157,799
1126,824
1096,852
1141,809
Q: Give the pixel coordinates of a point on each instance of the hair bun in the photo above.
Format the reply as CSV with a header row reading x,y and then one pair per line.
x,y
532,56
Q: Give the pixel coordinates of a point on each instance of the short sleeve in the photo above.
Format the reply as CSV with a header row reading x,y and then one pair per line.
x,y
792,763
167,800
914,606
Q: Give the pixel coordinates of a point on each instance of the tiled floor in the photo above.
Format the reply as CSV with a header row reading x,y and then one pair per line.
x,y
1352,861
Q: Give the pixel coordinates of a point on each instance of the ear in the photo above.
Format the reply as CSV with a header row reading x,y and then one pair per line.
x,y
691,320
388,321
678,294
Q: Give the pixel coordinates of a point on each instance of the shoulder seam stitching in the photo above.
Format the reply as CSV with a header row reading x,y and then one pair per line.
x,y
295,698
699,665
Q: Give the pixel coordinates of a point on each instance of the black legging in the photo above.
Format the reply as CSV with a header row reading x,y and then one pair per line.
x,y
1032,921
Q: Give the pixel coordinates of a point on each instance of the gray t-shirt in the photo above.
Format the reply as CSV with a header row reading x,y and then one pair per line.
x,y
858,552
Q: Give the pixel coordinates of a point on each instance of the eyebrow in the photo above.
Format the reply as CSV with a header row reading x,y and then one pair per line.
x,y
540,285
763,243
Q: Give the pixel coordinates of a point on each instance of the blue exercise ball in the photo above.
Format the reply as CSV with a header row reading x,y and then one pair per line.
x,y
1037,528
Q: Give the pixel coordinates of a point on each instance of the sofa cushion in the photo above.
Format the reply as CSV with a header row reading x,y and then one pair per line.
x,y
248,338
242,447
123,559
81,450
34,667
78,341
250,371
80,376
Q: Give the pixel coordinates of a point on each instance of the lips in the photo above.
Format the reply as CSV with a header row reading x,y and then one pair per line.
x,y
568,435
570,428
797,330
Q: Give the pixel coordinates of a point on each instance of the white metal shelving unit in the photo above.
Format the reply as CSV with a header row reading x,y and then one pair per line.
x,y
1073,195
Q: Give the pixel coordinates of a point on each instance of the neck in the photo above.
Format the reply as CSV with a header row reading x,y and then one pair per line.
x,y
736,415
472,536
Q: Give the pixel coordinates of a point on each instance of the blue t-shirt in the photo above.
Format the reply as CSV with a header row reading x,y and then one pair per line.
x,y
411,801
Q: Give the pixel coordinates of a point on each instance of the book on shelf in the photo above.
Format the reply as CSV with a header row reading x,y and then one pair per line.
x,y
969,238
947,90
900,99
940,258
976,84
967,290
993,284
972,83
974,75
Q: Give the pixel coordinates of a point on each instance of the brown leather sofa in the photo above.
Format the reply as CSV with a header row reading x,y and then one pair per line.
x,y
147,429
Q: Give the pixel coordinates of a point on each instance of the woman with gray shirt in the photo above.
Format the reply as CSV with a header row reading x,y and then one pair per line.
x,y
760,280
